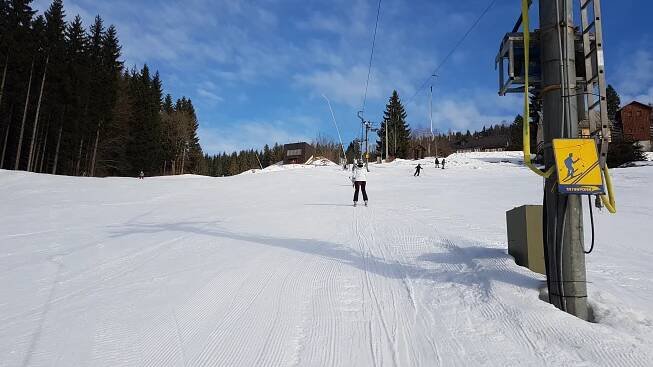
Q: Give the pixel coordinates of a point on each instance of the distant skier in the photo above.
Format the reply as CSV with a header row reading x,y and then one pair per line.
x,y
418,169
141,175
437,163
359,178
443,162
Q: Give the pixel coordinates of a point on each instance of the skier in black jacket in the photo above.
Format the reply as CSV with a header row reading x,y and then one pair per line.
x,y
418,169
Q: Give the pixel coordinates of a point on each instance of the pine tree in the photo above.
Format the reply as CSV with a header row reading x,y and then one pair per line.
x,y
613,101
65,103
76,129
4,54
517,133
167,104
394,119
353,151
113,156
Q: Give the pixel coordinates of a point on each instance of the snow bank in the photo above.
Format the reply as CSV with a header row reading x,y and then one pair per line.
x,y
649,156
473,160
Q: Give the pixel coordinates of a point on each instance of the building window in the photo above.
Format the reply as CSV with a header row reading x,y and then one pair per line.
x,y
294,152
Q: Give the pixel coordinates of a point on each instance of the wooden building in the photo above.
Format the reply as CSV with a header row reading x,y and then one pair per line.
x,y
297,153
635,123
498,143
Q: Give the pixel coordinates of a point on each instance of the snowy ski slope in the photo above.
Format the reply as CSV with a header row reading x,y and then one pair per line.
x,y
276,268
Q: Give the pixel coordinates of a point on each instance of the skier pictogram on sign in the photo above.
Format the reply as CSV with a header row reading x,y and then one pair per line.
x,y
578,168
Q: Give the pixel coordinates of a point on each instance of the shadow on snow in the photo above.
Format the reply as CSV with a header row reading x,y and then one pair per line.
x,y
473,266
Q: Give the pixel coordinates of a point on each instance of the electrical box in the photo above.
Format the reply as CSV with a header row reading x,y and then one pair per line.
x,y
525,237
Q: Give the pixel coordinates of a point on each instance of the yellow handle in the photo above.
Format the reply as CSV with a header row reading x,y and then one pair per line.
x,y
527,128
608,200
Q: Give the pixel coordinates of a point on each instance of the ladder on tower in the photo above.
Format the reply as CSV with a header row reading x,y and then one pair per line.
x,y
595,85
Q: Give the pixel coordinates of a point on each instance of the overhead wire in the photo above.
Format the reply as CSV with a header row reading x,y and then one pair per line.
x,y
369,68
451,52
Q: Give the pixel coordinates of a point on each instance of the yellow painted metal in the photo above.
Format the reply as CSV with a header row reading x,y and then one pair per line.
x,y
577,164
608,200
526,131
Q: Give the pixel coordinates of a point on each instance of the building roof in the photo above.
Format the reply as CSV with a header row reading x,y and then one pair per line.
x,y
640,104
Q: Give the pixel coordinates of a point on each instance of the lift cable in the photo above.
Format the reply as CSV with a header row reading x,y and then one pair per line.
x,y
451,52
369,69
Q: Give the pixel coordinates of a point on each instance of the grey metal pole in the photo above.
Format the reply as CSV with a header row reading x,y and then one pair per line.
x,y
367,129
431,116
333,116
386,141
564,215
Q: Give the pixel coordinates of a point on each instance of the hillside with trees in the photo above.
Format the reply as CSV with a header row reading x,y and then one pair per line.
x,y
69,106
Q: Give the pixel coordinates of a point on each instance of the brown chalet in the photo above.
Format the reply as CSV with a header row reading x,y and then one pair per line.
x,y
635,119
297,153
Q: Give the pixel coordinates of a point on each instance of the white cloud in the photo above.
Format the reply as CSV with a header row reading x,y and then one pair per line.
x,y
467,109
216,56
346,86
635,77
211,97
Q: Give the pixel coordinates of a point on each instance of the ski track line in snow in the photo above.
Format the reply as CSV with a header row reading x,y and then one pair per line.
x,y
403,234
321,329
110,334
36,335
115,269
464,266
364,243
494,309
215,351
399,323
272,351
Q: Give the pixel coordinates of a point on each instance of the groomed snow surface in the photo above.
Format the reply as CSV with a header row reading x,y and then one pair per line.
x,y
276,268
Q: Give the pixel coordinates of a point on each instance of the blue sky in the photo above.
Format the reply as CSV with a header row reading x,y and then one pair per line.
x,y
256,70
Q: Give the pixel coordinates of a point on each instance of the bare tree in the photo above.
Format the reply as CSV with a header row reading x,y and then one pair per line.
x,y
36,118
97,139
4,146
4,79
22,126
79,157
45,145
56,154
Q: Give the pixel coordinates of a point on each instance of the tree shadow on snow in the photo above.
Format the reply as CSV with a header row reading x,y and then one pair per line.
x,y
473,266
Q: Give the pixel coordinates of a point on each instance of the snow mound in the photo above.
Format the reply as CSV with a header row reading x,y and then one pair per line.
x,y
472,160
320,162
311,163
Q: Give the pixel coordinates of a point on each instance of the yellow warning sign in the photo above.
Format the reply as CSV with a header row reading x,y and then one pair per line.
x,y
578,168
